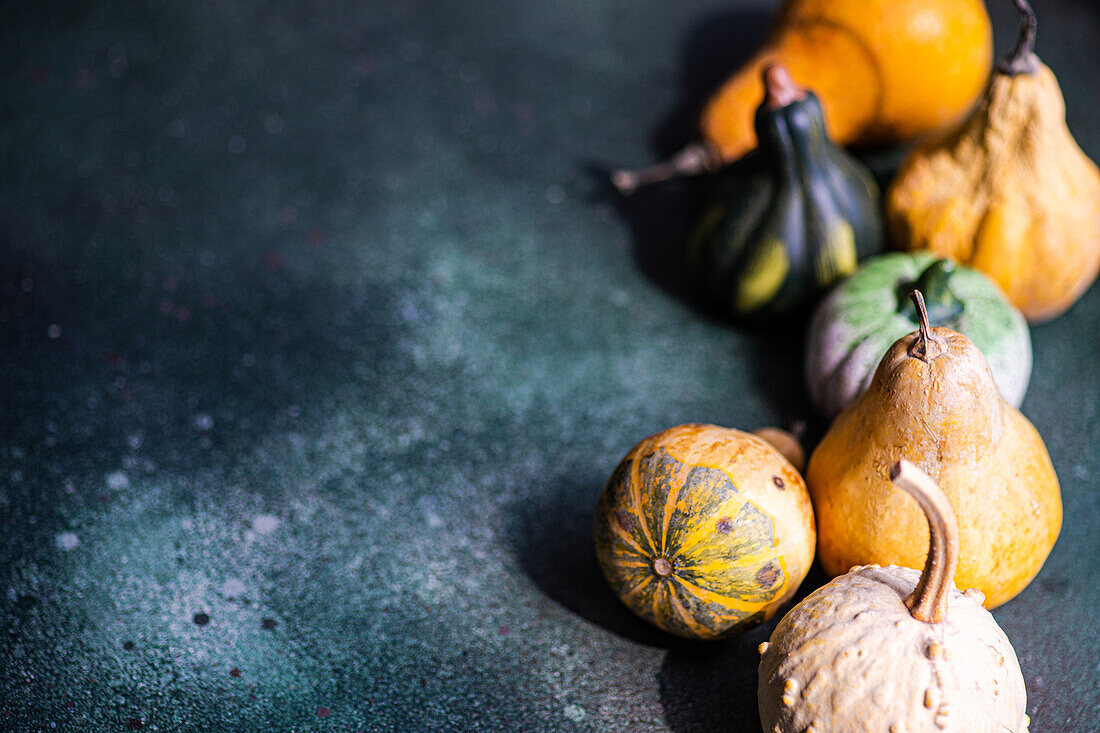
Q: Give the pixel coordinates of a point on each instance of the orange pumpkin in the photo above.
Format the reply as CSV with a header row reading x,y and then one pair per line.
x,y
704,531
885,71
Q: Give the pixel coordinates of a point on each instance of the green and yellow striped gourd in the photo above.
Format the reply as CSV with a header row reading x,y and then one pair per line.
x,y
788,219
704,531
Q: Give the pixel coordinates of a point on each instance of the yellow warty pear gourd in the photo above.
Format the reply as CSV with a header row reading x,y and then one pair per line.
x,y
1009,192
933,401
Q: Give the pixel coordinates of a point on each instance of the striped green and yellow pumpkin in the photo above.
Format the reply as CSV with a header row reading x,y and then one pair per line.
x,y
704,531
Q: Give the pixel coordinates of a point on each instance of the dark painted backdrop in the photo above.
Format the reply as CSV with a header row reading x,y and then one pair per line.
x,y
321,332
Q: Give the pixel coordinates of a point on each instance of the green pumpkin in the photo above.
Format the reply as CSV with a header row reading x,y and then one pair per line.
x,y
858,321
788,219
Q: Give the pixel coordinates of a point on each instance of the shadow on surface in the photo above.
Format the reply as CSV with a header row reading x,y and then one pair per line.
x,y
775,370
660,219
660,216
553,534
711,686
715,47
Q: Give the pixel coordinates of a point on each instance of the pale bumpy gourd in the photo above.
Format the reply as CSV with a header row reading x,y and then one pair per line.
x,y
933,401
891,649
1009,192
858,320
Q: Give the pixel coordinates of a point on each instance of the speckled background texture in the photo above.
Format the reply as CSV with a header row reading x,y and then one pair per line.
x,y
322,331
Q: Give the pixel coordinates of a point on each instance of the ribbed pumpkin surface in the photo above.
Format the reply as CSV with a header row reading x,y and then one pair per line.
x,y
686,550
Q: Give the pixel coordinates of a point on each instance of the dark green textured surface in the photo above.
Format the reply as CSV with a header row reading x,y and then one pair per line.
x,y
317,321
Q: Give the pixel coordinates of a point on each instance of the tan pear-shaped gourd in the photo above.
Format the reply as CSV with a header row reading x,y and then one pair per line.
x,y
891,649
1009,192
933,401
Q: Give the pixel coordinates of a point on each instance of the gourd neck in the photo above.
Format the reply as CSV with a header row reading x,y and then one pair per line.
x,y
779,135
1022,60
932,283
928,601
927,346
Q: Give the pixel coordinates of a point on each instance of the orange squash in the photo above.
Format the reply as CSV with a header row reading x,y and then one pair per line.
x,y
886,71
704,531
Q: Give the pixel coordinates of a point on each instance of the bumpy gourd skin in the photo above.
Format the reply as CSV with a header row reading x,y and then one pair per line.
x,y
862,317
1010,193
788,220
947,417
886,70
850,657
704,531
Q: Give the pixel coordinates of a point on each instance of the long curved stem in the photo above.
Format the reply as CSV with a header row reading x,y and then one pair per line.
x,y
691,161
1022,59
928,601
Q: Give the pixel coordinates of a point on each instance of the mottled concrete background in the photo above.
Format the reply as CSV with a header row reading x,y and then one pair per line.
x,y
321,333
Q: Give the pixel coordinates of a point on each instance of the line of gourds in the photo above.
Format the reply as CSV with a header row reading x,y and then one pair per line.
x,y
920,360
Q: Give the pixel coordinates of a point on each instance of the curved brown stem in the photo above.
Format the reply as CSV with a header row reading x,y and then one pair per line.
x,y
927,346
1022,59
928,601
691,161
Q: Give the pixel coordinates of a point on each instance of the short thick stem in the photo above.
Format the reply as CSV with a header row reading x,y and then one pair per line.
x,y
928,601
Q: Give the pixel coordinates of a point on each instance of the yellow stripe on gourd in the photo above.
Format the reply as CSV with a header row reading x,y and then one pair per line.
x,y
701,532
743,561
625,562
623,535
687,618
763,276
709,596
838,257
636,504
641,585
671,502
